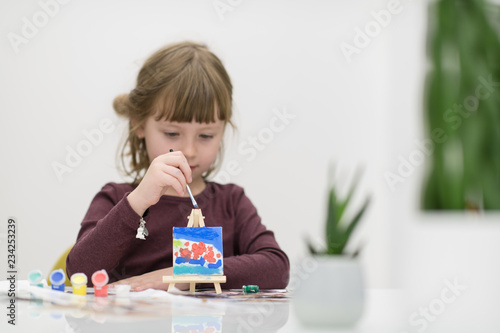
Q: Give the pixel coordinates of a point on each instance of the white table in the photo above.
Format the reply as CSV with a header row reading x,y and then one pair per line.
x,y
156,311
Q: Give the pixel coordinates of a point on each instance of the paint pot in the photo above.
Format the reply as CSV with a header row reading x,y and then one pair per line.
x,y
35,278
250,289
122,290
57,279
79,282
100,280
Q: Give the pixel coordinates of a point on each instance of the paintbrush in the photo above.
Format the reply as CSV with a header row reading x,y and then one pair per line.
x,y
189,191
191,196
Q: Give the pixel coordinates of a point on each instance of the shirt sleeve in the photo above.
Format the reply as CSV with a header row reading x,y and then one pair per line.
x,y
106,233
260,261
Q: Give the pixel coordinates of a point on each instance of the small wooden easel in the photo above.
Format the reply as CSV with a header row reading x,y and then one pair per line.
x,y
195,220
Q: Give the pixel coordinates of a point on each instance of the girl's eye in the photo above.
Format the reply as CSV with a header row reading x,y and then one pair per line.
x,y
171,134
206,136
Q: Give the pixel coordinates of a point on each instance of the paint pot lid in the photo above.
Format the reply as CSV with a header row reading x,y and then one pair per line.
x,y
100,278
57,277
78,279
35,276
122,289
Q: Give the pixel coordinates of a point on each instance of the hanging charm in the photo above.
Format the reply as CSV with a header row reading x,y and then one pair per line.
x,y
142,231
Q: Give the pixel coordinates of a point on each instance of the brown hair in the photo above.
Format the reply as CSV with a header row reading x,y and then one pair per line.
x,y
179,82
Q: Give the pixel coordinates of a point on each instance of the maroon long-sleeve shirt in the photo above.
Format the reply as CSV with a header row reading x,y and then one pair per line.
x,y
107,236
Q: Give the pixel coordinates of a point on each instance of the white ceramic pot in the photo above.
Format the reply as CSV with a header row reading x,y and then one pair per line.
x,y
330,292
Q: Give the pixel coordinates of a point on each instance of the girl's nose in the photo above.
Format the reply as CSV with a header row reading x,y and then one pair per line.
x,y
189,148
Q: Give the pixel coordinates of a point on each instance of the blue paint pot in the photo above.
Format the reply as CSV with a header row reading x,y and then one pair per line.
x,y
57,279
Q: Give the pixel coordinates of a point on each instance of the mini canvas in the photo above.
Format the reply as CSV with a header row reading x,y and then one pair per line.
x,y
198,251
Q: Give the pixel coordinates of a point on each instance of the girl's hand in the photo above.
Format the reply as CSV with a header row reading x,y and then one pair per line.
x,y
153,280
167,170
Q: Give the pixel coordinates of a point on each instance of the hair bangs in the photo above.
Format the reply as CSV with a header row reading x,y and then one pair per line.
x,y
194,95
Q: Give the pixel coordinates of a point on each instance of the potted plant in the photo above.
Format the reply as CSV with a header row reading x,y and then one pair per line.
x,y
332,294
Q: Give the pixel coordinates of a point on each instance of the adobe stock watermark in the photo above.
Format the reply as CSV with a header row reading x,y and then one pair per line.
x,y
224,6
253,144
31,27
74,156
420,319
363,37
455,116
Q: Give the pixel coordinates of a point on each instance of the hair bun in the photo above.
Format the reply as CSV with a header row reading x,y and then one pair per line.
x,y
122,105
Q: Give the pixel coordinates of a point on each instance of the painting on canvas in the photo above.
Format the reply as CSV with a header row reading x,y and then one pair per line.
x,y
197,251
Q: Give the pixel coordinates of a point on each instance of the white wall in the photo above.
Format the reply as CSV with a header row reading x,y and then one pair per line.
x,y
281,55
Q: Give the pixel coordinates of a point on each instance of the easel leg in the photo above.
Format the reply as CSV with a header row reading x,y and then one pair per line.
x,y
217,288
171,286
192,286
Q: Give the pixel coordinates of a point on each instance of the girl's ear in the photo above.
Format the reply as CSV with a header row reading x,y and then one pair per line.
x,y
139,130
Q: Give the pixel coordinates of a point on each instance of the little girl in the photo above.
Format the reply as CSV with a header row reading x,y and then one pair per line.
x,y
183,102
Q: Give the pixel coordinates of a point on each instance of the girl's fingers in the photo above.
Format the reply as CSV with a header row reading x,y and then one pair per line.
x,y
167,170
178,160
146,281
175,178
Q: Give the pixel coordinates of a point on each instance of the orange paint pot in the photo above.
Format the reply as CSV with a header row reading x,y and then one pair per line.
x,y
100,280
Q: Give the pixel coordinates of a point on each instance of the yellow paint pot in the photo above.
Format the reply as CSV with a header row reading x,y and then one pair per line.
x,y
79,282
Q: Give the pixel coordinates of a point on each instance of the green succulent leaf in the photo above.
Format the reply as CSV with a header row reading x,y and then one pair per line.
x,y
338,228
310,246
354,223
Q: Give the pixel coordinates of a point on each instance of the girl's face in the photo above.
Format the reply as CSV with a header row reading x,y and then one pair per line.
x,y
199,142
